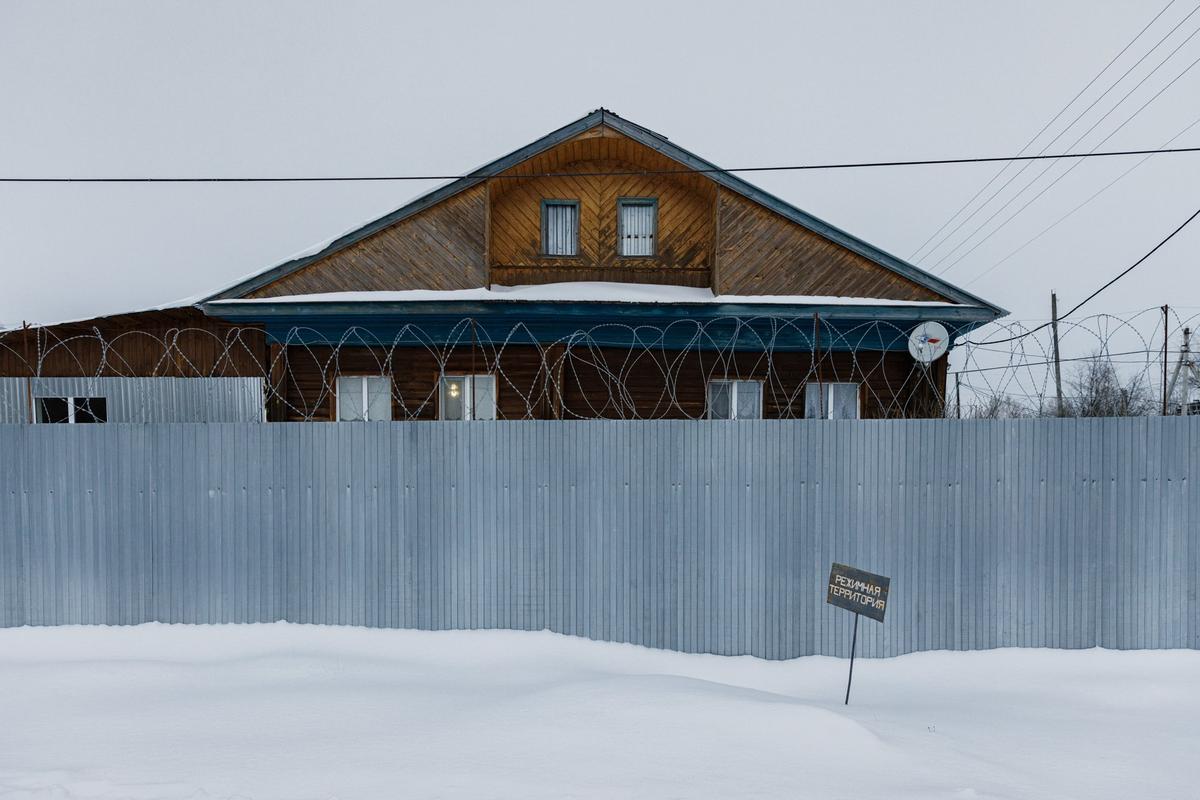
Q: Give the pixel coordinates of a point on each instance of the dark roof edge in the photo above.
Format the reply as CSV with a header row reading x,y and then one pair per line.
x,y
260,311
421,203
655,142
783,208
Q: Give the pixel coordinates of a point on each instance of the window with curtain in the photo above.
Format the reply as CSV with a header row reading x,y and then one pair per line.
x,y
831,400
637,225
364,398
467,397
560,227
735,399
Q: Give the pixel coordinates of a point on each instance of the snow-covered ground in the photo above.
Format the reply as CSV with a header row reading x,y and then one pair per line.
x,y
264,711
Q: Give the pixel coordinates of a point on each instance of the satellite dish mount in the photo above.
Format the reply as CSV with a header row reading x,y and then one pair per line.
x,y
928,342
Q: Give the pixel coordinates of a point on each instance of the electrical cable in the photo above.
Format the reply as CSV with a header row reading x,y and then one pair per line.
x,y
1054,119
1091,296
617,173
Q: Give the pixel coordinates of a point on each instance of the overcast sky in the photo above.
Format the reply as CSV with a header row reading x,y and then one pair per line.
x,y
234,88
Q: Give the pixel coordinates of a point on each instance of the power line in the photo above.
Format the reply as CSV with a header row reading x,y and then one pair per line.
x,y
1071,213
1054,119
1069,169
1058,136
1091,296
617,173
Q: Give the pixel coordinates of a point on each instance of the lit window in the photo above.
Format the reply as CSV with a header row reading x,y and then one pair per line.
x,y
468,397
735,400
831,400
637,226
364,398
72,410
560,227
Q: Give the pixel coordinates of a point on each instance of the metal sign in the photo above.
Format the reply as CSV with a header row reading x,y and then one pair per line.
x,y
861,592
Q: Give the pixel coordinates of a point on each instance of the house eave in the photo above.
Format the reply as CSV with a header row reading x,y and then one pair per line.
x,y
655,142
260,310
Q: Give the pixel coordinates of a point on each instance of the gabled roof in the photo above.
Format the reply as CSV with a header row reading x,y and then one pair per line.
x,y
652,140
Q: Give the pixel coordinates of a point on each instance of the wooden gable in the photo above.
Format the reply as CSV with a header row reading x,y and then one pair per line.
x,y
685,244
441,247
760,252
707,235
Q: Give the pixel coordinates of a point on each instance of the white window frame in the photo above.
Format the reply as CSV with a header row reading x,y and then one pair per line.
x,y
37,416
826,398
468,400
733,397
365,397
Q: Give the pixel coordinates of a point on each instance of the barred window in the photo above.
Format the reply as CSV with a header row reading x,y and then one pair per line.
x,y
560,227
637,225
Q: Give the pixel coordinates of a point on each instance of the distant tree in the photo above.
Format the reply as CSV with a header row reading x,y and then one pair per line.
x,y
998,406
1097,390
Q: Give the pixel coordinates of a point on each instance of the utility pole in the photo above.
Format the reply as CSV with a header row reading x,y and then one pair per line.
x,y
1188,369
1057,358
1166,339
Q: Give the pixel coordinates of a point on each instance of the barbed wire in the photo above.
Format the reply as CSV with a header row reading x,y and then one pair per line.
x,y
609,370
1015,365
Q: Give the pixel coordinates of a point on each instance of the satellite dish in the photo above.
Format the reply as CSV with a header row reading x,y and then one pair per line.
x,y
928,342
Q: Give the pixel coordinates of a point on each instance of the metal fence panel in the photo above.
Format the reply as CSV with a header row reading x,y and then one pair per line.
x,y
143,399
697,536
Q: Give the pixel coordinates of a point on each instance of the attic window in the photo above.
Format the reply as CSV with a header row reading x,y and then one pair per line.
x,y
637,225
560,227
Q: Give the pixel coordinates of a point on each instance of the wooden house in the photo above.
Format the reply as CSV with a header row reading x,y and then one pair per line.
x,y
601,271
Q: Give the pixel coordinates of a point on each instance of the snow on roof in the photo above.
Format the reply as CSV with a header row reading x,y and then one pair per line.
x,y
582,292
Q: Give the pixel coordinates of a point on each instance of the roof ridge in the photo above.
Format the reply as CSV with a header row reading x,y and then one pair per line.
x,y
650,139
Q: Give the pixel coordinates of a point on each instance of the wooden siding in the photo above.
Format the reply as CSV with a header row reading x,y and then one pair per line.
x,y
491,233
894,385
760,252
684,246
310,380
442,247
671,385
175,343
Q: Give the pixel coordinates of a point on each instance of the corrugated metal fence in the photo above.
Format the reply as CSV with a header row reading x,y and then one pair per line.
x,y
143,399
698,536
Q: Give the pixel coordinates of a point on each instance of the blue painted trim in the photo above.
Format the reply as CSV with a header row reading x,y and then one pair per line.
x,y
743,326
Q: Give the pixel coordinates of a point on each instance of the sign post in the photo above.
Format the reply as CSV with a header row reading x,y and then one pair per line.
x,y
861,592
